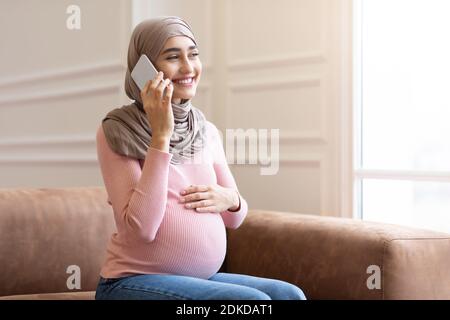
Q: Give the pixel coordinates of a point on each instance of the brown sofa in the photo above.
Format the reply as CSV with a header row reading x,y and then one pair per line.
x,y
44,231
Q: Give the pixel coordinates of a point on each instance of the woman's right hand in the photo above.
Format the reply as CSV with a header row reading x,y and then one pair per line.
x,y
158,106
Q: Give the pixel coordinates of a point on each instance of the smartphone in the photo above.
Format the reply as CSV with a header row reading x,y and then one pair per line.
x,y
143,71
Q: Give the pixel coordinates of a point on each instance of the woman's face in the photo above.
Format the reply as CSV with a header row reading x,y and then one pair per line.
x,y
180,63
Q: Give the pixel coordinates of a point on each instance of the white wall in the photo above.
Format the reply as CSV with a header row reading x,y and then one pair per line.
x,y
56,85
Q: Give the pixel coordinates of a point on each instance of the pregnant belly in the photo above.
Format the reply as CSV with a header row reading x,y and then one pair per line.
x,y
190,243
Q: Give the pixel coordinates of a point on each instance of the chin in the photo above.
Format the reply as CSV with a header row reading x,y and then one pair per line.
x,y
186,96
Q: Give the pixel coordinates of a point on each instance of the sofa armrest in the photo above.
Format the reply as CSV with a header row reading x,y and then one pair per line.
x,y
338,258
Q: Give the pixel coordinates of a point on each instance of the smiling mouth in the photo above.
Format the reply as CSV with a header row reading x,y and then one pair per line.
x,y
184,82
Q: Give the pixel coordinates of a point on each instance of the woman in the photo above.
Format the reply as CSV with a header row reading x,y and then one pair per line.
x,y
169,184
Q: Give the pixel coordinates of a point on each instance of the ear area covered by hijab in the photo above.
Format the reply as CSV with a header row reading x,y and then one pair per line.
x,y
127,128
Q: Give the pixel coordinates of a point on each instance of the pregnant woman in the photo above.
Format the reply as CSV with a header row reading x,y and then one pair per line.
x,y
169,184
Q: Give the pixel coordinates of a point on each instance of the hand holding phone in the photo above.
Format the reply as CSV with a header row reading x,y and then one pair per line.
x,y
156,98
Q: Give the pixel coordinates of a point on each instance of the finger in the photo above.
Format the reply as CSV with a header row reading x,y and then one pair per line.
x,y
160,88
196,196
198,204
210,209
194,188
157,80
168,92
167,98
163,84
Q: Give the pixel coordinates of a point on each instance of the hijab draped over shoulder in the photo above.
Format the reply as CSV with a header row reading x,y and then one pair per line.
x,y
127,128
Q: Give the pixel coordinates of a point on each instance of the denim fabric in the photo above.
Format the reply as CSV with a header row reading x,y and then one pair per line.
x,y
221,286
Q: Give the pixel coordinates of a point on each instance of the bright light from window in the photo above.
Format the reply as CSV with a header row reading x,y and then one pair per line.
x,y
411,203
406,109
406,84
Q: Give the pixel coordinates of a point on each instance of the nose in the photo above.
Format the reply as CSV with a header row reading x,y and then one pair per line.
x,y
186,66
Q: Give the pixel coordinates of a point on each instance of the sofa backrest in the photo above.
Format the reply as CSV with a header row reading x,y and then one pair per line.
x,y
48,235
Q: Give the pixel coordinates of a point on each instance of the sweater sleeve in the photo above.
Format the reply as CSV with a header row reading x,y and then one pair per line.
x,y
231,219
138,197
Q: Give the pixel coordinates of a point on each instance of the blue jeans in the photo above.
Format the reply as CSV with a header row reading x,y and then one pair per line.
x,y
221,286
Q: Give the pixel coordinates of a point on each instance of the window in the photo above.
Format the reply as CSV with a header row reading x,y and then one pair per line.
x,y
403,105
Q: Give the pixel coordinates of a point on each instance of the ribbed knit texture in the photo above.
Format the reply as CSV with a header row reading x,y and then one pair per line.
x,y
156,234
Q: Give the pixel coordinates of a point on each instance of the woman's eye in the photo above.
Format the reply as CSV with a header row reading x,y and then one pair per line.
x,y
176,57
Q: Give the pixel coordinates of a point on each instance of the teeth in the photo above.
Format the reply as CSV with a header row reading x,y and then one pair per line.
x,y
185,81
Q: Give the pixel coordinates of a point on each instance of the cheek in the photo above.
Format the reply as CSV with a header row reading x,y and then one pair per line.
x,y
198,69
169,73
166,69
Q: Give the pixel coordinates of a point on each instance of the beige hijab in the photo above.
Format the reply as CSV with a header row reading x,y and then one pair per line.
x,y
127,129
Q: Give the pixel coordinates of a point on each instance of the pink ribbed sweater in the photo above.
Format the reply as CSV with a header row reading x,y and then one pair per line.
x,y
156,234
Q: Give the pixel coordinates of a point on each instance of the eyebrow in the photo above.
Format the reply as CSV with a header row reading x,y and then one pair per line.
x,y
177,49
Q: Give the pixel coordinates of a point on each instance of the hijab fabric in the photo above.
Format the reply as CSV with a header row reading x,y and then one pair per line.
x,y
127,129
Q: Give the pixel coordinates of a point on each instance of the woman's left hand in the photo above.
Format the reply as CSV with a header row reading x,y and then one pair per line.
x,y
212,199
